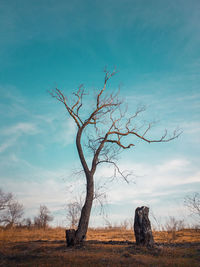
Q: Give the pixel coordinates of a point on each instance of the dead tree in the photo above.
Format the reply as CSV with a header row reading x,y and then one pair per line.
x,y
73,213
193,204
11,211
43,218
107,127
142,227
12,214
5,199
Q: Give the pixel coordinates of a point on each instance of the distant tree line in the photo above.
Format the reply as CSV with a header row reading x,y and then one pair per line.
x,y
11,213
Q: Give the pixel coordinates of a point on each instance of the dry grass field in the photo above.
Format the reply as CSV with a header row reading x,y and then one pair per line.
x,y
104,247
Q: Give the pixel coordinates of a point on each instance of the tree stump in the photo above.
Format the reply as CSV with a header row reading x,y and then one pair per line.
x,y
72,240
142,227
70,237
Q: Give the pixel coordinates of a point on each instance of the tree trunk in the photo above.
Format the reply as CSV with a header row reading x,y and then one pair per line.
x,y
142,227
78,236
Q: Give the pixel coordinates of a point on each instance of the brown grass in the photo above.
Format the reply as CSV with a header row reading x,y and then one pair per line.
x,y
120,234
104,247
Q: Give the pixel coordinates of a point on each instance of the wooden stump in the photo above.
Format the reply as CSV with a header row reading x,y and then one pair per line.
x,y
142,227
72,240
70,237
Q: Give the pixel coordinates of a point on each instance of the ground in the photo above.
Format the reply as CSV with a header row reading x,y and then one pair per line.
x,y
104,247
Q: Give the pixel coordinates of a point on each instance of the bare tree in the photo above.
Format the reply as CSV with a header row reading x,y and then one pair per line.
x,y
107,128
173,225
43,218
193,203
73,213
5,199
12,214
11,211
28,223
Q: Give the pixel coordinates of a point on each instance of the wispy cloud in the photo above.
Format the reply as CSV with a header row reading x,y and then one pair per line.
x,y
20,128
192,127
153,180
7,143
66,132
12,133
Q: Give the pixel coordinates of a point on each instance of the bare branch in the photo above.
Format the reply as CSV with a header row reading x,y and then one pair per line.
x,y
61,98
117,169
120,144
108,75
162,139
193,203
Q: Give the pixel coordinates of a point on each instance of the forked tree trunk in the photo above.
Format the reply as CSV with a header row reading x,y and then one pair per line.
x,y
142,227
77,237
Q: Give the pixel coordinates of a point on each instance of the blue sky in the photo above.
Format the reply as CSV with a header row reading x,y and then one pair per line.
x,y
155,46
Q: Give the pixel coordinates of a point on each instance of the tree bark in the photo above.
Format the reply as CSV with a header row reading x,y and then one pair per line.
x,y
81,231
70,237
78,237
85,212
142,227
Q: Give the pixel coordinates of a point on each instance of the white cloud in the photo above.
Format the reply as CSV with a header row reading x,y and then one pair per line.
x,y
172,165
192,129
14,132
153,180
37,186
67,132
8,143
21,128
